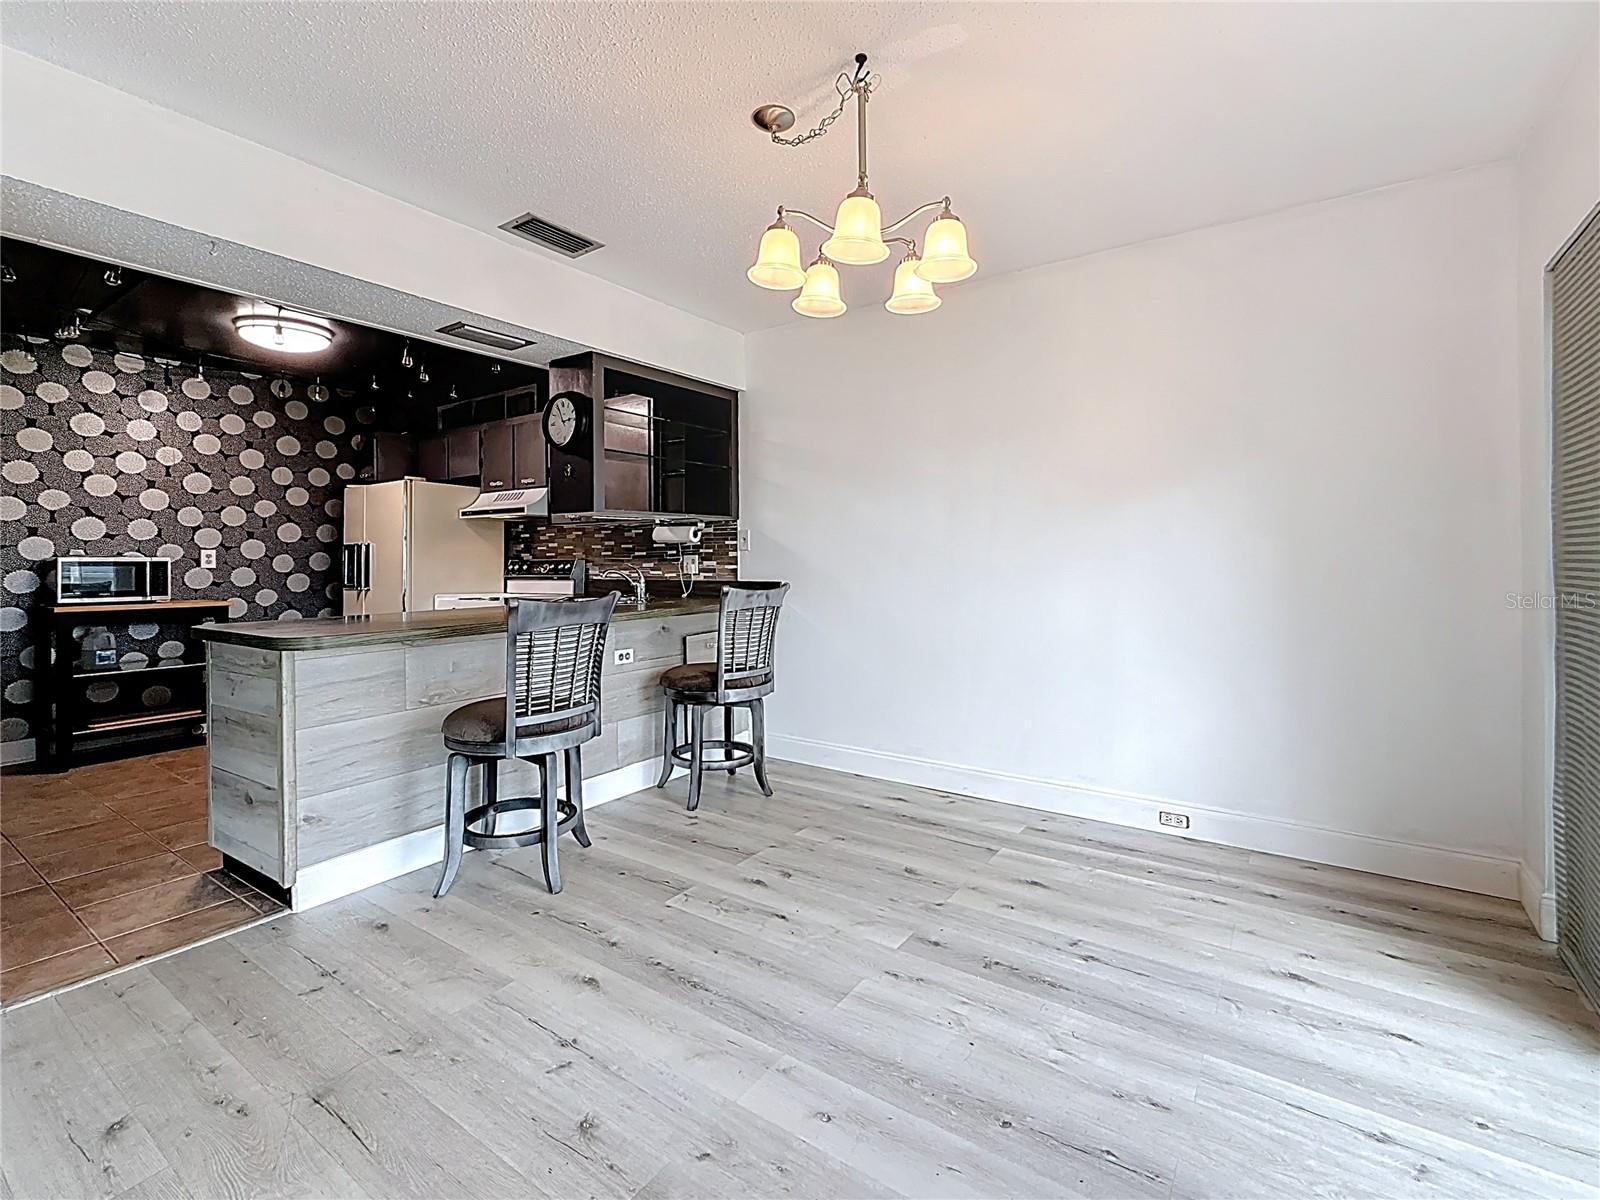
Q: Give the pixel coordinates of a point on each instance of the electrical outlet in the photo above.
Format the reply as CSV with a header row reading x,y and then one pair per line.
x,y
208,559
621,657
691,564
1174,820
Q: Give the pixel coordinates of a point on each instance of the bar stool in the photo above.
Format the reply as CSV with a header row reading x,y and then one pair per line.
x,y
554,652
742,677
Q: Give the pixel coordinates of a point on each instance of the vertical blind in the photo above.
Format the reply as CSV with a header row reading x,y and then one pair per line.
x,y
1575,504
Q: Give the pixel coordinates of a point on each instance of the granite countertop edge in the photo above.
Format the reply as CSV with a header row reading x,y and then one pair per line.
x,y
328,633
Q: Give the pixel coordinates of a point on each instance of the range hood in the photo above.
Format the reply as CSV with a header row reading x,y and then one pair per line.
x,y
510,505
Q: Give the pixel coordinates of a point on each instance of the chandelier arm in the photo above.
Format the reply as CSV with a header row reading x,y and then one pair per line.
x,y
784,211
917,212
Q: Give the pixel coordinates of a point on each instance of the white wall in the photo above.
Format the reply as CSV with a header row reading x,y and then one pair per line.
x,y
1558,184
75,135
1224,522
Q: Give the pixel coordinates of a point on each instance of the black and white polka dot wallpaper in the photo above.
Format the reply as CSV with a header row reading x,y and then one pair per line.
x,y
106,454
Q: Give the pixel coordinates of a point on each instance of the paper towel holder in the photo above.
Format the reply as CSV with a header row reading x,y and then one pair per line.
x,y
678,533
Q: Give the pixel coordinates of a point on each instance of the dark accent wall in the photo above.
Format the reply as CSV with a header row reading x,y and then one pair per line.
x,y
618,545
113,454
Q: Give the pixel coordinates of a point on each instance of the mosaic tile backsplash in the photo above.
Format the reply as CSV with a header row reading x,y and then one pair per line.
x,y
605,546
113,454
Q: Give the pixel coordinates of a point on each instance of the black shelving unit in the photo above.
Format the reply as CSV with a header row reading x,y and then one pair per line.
x,y
66,718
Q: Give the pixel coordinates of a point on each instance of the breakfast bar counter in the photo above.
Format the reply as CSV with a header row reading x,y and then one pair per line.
x,y
398,629
326,762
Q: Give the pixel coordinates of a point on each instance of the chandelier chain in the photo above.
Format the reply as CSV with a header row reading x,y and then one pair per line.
x,y
846,85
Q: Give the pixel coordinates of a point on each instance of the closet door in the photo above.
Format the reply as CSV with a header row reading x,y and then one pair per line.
x,y
1575,487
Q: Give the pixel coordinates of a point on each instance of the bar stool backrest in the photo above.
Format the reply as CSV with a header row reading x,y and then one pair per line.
x,y
554,653
747,630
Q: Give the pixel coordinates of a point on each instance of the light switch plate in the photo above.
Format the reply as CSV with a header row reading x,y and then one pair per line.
x,y
744,539
208,558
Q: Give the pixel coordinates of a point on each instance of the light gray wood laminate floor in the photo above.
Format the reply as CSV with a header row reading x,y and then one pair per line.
x,y
850,989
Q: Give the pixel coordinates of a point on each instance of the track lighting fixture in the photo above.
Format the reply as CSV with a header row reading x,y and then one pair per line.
x,y
422,373
405,356
113,277
7,275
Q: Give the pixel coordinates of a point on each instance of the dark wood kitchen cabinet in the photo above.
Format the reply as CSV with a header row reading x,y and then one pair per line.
x,y
654,444
498,468
463,451
527,452
498,455
433,458
390,456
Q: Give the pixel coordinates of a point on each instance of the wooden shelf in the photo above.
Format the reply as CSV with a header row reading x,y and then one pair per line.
x,y
113,672
61,691
140,606
162,718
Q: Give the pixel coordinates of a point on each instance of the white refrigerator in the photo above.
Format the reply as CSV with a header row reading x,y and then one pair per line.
x,y
405,542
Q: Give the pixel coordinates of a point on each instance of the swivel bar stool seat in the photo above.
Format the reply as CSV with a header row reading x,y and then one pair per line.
x,y
742,677
551,706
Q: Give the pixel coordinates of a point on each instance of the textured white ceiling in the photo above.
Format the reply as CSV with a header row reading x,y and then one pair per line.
x,y
1059,129
38,214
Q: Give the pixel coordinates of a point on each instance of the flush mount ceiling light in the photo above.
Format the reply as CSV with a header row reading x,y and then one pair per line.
x,y
857,235
284,330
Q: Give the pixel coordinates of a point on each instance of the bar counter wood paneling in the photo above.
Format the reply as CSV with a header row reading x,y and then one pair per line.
x,y
325,735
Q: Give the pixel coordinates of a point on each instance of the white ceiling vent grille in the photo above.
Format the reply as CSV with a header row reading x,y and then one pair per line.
x,y
551,237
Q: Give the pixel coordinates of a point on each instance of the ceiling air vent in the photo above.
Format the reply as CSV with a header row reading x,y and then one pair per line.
x,y
551,237
484,337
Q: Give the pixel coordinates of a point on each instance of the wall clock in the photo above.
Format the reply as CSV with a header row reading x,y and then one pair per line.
x,y
566,418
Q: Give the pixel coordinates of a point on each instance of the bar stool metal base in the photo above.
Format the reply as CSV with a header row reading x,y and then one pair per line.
x,y
691,754
558,814
515,841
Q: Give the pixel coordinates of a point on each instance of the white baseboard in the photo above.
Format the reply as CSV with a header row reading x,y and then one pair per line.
x,y
1460,869
350,873
24,750
1539,904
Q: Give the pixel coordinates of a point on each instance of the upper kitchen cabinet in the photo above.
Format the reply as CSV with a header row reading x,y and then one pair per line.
x,y
494,441
497,472
513,454
528,467
634,441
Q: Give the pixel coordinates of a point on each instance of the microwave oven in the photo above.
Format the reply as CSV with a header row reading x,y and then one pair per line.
x,y
109,580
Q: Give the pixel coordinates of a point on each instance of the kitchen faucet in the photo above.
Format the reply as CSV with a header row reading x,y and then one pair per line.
x,y
632,575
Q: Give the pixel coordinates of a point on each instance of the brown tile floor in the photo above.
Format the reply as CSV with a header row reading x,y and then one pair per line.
x,y
106,864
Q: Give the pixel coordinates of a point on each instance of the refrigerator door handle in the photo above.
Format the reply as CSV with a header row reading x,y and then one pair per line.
x,y
366,566
347,565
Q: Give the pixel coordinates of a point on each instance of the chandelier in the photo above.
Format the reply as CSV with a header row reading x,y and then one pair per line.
x,y
858,236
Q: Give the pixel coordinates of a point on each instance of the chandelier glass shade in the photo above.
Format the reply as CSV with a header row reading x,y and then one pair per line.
x,y
857,232
944,252
912,293
820,295
857,236
778,261
284,330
